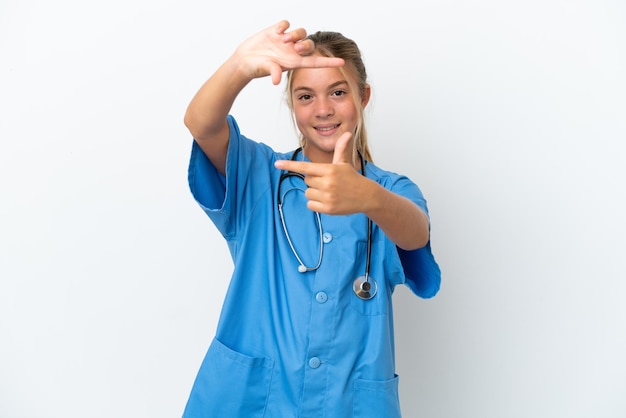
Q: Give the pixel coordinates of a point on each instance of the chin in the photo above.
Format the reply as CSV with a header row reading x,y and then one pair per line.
x,y
326,147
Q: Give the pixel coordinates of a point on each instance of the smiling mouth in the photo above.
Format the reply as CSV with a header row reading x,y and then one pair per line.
x,y
326,128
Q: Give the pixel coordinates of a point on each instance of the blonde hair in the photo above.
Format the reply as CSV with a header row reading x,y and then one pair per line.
x,y
334,44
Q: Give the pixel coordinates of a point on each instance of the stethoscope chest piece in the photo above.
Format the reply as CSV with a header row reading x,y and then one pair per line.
x,y
365,288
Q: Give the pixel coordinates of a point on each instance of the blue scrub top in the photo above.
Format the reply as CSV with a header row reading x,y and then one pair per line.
x,y
291,344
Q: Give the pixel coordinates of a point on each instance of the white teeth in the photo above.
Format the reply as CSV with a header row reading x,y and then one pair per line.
x,y
327,129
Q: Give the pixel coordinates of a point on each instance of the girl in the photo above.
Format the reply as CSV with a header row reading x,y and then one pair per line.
x,y
319,238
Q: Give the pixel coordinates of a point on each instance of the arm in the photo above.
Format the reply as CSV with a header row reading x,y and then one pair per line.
x,y
269,52
206,114
402,220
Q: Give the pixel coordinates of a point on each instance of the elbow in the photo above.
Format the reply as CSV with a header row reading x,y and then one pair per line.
x,y
420,236
188,120
202,130
417,242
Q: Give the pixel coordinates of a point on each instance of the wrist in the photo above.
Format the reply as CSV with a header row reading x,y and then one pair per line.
x,y
237,72
374,202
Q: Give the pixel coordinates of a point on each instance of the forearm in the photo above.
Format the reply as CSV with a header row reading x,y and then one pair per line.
x,y
206,114
402,220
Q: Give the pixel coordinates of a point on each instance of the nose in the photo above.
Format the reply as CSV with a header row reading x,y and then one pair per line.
x,y
324,107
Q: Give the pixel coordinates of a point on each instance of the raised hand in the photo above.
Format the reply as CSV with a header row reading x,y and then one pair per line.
x,y
334,188
274,50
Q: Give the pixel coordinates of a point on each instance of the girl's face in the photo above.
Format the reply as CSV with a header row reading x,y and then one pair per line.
x,y
324,108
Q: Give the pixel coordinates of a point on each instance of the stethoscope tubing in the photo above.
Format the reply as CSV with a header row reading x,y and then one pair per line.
x,y
302,268
363,288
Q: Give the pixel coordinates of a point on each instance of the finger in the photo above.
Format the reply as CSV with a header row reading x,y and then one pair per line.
x,y
294,35
343,149
301,167
316,61
276,73
319,201
305,47
281,27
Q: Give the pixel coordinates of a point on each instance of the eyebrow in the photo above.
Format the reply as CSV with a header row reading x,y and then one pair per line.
x,y
332,86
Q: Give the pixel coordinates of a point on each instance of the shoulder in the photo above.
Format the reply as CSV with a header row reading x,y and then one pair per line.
x,y
386,178
374,171
251,148
397,183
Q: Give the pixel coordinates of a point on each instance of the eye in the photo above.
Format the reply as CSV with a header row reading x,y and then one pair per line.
x,y
304,97
339,93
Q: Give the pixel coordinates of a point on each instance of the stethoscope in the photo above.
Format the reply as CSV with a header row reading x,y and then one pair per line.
x,y
365,287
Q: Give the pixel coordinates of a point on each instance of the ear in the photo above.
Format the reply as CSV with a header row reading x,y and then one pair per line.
x,y
367,92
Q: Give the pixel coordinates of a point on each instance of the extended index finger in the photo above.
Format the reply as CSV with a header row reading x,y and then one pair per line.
x,y
302,167
315,61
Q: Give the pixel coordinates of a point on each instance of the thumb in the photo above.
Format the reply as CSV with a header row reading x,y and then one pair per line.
x,y
343,149
275,73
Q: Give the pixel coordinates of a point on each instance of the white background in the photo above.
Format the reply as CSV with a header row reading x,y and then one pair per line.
x,y
510,115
